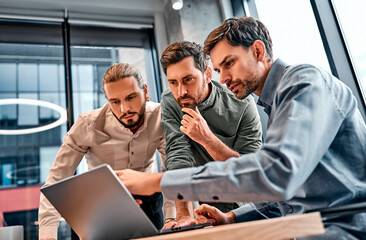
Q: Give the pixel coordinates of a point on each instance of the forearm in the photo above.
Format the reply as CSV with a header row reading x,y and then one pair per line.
x,y
184,209
217,149
238,175
48,216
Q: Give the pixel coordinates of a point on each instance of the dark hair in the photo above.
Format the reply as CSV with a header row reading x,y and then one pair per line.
x,y
177,51
241,31
122,70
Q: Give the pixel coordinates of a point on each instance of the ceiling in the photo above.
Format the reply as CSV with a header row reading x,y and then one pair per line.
x,y
137,11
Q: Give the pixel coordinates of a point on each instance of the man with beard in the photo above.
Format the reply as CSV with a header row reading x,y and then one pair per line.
x,y
202,120
314,153
124,133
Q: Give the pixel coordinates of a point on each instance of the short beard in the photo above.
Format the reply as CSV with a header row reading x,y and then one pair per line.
x,y
247,90
187,105
195,101
130,123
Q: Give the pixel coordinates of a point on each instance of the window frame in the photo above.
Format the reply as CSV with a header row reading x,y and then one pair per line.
x,y
334,43
339,58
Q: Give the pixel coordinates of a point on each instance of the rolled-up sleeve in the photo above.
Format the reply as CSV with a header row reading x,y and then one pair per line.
x,y
67,159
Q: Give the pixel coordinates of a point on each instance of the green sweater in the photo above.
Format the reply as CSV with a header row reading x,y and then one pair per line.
x,y
235,122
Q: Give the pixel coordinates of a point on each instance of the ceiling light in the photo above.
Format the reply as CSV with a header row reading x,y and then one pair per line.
x,y
177,4
61,120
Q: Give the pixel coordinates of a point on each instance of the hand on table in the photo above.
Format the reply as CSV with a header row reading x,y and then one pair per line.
x,y
207,213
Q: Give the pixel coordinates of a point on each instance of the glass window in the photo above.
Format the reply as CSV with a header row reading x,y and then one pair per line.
x,y
352,19
7,112
27,114
6,179
89,66
47,155
32,67
89,63
294,31
8,72
49,77
28,73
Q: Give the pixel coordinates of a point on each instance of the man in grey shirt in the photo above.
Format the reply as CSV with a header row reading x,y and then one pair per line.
x,y
313,156
202,120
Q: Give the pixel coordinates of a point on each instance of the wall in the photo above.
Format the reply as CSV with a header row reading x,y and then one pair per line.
x,y
194,21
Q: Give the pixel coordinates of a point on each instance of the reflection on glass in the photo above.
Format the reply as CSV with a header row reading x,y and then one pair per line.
x,y
7,112
5,170
31,71
294,32
47,113
352,19
33,74
28,114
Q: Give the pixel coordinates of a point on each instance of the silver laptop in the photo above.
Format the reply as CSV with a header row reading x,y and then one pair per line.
x,y
97,205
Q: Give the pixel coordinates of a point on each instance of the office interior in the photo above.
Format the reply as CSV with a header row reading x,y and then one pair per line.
x,y
53,54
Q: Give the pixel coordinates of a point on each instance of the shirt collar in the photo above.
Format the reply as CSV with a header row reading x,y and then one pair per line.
x,y
272,81
211,98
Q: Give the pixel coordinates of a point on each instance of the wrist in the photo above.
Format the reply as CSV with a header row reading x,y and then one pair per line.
x,y
185,217
169,220
230,217
209,141
183,209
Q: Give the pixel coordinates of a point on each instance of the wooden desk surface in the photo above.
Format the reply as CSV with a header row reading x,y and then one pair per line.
x,y
277,228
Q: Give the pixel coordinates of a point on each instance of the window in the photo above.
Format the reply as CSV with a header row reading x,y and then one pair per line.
x,y
294,32
32,67
352,21
28,71
306,31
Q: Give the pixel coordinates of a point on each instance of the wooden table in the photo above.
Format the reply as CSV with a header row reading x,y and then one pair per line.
x,y
277,228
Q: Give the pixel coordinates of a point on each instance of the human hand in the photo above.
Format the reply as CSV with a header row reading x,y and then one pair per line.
x,y
169,224
140,183
185,221
195,126
207,213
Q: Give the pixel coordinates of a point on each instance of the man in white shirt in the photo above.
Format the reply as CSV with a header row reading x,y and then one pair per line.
x,y
124,133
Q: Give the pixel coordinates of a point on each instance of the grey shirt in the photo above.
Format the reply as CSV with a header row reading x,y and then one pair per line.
x,y
235,122
314,154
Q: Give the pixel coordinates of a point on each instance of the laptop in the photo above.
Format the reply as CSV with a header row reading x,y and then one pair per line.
x,y
97,205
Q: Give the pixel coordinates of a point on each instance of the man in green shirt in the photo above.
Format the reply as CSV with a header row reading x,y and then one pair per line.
x,y
203,121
